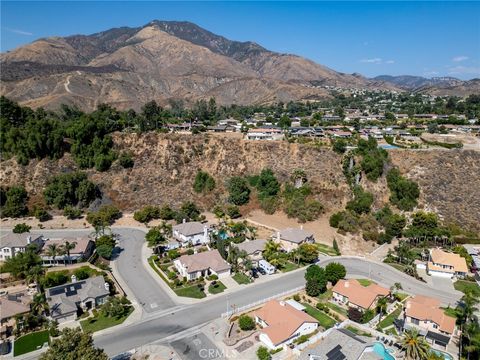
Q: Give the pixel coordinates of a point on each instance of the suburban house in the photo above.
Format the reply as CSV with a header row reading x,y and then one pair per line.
x,y
193,233
425,314
292,238
65,301
81,252
282,323
445,264
341,344
12,305
265,134
253,248
353,294
202,264
11,243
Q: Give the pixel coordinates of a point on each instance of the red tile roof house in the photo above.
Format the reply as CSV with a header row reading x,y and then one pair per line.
x,y
425,314
282,323
445,264
352,293
202,264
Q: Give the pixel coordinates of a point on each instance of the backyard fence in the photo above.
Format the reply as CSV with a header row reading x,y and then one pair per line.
x,y
260,302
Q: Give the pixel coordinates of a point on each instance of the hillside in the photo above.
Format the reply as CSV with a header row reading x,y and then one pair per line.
x,y
165,166
162,60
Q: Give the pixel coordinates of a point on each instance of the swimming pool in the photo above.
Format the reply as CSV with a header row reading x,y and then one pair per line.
x,y
445,355
380,349
388,146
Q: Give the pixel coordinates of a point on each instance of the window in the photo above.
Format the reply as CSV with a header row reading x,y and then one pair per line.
x,y
415,321
435,326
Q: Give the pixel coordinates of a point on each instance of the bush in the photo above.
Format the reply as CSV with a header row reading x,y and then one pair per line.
x,y
21,228
54,278
335,219
404,192
166,213
172,275
267,184
239,192
301,339
173,254
147,214
362,201
339,146
246,323
126,160
14,202
263,353
70,189
82,273
71,212
203,182
105,251
42,215
233,211
334,272
269,205
296,297
213,277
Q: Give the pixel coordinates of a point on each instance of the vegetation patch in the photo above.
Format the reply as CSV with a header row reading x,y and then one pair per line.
x,y
101,321
323,319
193,291
467,287
216,287
241,278
389,319
30,342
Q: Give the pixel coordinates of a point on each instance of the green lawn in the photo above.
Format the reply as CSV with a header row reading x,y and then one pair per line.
x,y
467,286
325,296
391,331
241,278
217,289
30,342
336,308
192,291
326,249
450,312
399,267
388,320
365,282
358,331
152,264
101,322
289,266
401,296
324,320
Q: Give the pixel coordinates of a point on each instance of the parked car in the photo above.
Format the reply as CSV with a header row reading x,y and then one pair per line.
x,y
5,347
254,273
261,271
267,267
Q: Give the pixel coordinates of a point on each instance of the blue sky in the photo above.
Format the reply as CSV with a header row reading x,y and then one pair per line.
x,y
372,38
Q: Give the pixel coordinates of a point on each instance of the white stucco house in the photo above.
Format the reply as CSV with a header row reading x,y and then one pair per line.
x,y
202,264
445,264
282,322
193,233
11,243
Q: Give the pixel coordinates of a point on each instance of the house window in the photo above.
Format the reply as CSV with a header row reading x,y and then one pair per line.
x,y
415,321
435,326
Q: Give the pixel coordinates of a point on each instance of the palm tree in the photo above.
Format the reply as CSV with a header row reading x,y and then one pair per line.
x,y
39,304
381,307
468,323
271,248
53,251
34,274
67,247
415,346
295,254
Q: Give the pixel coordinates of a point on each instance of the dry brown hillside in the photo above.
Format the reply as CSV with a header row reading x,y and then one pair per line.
x,y
166,164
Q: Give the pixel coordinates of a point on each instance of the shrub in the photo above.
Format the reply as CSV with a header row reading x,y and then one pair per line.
x,y
301,339
404,192
147,214
246,323
213,277
126,160
296,297
82,273
173,254
203,182
71,212
339,146
239,192
172,275
14,202
21,228
263,353
70,189
105,251
42,215
54,278
335,219
362,201
233,211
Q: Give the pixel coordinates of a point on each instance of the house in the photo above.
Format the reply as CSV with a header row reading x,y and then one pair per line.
x,y
11,306
193,233
253,248
66,301
265,134
202,264
282,323
12,243
424,313
353,294
81,252
341,344
445,264
291,238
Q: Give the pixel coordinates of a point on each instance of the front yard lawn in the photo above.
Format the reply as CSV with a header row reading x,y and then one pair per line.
x,y
192,291
365,282
326,295
450,312
389,319
289,266
324,320
100,322
467,286
217,288
336,308
241,278
30,342
323,248
357,331
401,296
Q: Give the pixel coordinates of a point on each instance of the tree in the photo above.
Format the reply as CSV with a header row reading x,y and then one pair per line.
x,y
267,184
15,203
203,182
70,189
154,237
381,307
126,160
361,202
316,280
336,248
263,353
21,228
308,253
239,192
404,192
103,218
334,272
115,307
53,250
246,323
20,264
147,214
67,247
73,344
72,213
42,215
105,251
233,212
339,145
416,347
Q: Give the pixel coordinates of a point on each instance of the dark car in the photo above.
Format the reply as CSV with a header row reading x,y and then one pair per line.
x,y
261,271
254,273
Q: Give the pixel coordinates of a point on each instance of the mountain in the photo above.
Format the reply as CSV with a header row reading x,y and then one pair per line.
x,y
435,86
162,60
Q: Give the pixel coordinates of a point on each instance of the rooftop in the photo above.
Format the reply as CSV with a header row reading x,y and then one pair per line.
x,y
190,228
296,235
81,243
10,239
282,320
252,246
438,256
14,304
358,294
203,261
425,308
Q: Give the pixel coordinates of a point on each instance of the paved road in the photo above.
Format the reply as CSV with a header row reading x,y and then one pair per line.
x,y
129,266
169,324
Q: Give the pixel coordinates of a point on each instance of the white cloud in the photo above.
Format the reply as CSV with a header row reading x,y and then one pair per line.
x,y
464,70
372,61
390,62
20,32
430,73
460,58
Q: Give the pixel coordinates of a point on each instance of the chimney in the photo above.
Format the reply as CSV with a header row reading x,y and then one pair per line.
x,y
184,221
107,286
282,303
74,279
347,284
29,239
